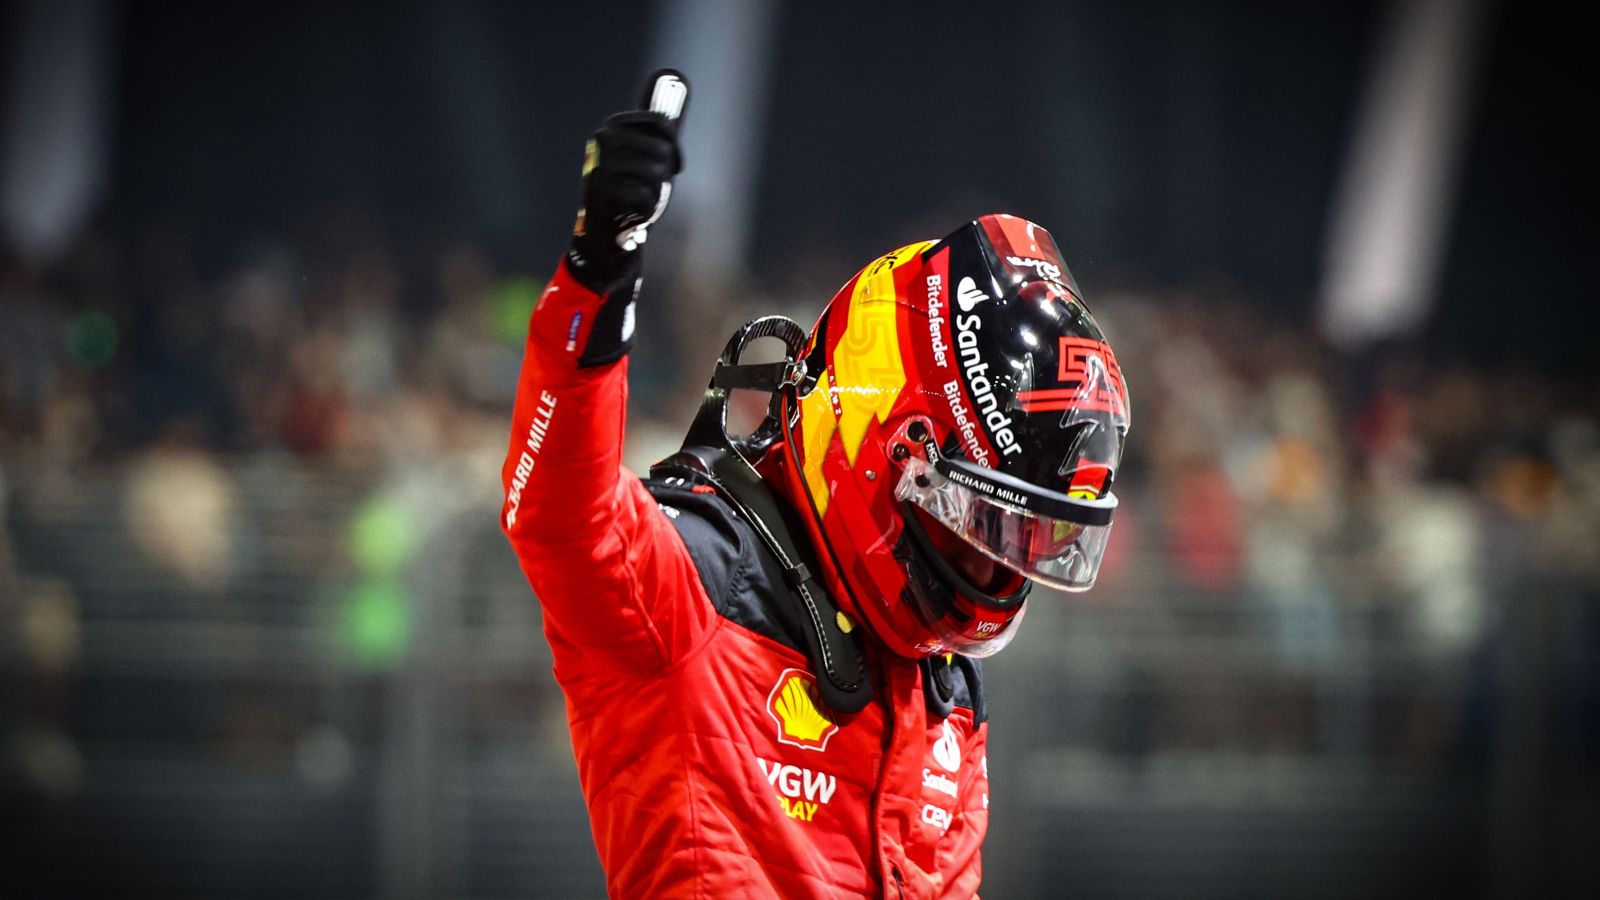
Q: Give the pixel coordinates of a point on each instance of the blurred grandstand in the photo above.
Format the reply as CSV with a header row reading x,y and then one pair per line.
x,y
261,636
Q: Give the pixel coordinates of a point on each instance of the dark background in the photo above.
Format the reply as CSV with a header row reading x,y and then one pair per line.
x,y
1166,144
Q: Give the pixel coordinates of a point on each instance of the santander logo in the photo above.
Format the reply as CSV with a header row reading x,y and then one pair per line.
x,y
947,750
968,294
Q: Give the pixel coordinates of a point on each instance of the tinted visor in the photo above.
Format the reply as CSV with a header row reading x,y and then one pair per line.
x,y
1049,537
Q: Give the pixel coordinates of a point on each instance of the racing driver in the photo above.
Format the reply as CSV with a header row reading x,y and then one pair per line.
x,y
769,646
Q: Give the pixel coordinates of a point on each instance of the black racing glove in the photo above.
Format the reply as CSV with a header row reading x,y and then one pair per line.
x,y
627,180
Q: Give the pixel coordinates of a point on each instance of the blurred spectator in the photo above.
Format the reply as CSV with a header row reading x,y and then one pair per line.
x,y
307,435
179,510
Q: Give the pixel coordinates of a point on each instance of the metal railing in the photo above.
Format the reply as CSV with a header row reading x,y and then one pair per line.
x,y
318,716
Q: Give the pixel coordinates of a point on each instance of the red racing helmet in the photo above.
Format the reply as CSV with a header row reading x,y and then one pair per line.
x,y
960,399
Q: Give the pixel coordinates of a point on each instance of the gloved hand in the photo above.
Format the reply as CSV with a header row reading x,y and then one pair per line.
x,y
628,167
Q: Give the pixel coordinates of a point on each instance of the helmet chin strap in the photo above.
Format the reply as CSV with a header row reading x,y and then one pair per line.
x,y
796,485
711,457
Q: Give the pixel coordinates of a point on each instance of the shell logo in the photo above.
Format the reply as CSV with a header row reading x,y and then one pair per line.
x,y
793,705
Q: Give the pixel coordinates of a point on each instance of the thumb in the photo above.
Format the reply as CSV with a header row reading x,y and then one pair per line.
x,y
666,91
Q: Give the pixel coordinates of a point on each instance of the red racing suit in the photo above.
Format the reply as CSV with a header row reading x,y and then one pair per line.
x,y
709,767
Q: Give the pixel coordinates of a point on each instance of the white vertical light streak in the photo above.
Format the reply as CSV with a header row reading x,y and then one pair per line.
x,y
1391,212
53,138
724,47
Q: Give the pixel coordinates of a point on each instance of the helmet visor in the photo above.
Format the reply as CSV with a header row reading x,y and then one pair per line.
x,y
1045,536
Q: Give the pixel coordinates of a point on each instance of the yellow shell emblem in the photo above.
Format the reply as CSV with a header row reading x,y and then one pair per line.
x,y
793,705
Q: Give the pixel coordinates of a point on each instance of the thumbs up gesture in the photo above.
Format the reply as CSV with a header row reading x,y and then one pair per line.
x,y
628,165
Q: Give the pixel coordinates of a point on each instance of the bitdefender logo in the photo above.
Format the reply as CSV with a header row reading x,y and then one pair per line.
x,y
968,294
941,352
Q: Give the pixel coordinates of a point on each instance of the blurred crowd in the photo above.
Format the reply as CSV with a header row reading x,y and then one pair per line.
x,y
334,354
318,347
1266,470
1415,535
1272,462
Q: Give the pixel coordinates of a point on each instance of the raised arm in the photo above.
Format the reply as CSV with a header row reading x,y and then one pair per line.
x,y
610,572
